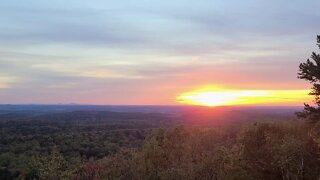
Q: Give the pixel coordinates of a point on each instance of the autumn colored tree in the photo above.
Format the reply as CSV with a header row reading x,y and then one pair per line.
x,y
310,71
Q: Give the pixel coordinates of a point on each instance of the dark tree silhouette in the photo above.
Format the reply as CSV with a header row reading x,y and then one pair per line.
x,y
310,71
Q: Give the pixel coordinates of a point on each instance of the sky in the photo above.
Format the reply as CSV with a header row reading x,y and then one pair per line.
x,y
150,52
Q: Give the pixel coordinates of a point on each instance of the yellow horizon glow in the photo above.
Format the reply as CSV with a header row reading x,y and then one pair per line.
x,y
225,97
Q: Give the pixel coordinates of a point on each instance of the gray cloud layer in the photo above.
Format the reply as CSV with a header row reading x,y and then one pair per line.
x,y
58,51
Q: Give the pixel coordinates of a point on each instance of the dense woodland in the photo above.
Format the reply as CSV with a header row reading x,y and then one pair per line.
x,y
218,143
204,144
28,137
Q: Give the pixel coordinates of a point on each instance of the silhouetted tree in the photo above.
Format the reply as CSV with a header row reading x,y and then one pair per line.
x,y
310,71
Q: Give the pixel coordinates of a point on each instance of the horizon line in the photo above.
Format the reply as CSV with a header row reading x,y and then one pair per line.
x,y
178,105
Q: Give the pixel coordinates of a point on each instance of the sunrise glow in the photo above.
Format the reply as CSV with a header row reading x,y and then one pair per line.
x,y
155,52
244,97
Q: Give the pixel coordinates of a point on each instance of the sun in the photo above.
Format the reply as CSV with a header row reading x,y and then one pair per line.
x,y
206,98
219,98
226,97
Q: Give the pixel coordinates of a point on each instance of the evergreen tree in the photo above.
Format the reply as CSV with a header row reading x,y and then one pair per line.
x,y
310,71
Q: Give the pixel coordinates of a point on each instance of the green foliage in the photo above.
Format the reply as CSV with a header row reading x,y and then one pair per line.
x,y
261,151
54,166
280,151
76,140
46,149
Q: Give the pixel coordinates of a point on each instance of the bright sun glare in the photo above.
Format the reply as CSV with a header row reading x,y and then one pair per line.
x,y
221,97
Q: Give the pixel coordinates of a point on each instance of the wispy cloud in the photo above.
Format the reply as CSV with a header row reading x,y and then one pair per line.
x,y
7,82
148,51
